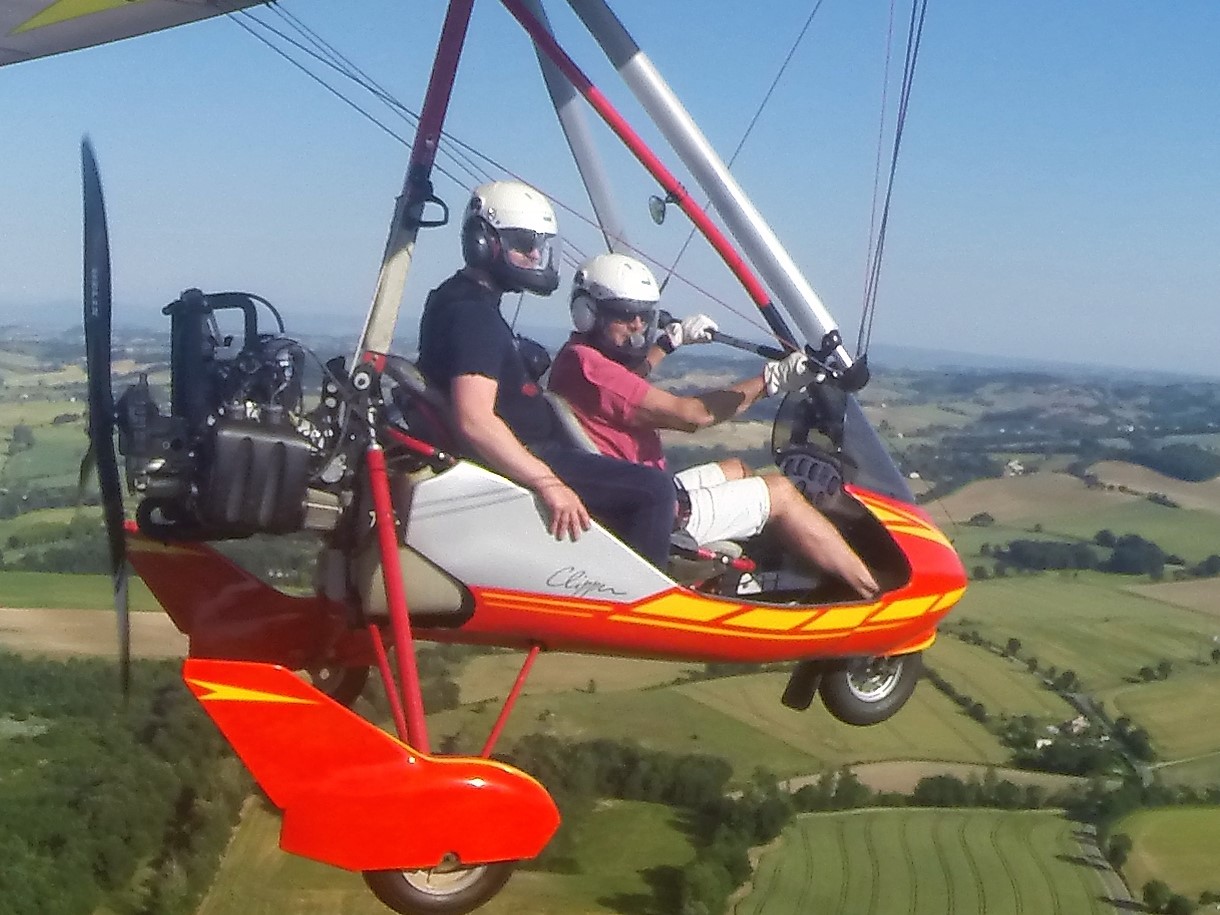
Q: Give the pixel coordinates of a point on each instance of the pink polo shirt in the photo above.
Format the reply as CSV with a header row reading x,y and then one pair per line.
x,y
605,395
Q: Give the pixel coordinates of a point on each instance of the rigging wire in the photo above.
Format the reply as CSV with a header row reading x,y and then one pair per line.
x,y
461,155
919,9
749,129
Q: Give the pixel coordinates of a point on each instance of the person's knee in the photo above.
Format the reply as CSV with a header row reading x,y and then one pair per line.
x,y
735,469
784,496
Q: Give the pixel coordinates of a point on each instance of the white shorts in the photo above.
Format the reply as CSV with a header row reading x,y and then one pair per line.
x,y
723,509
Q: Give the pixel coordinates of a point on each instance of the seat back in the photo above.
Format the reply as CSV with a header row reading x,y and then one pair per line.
x,y
570,424
425,408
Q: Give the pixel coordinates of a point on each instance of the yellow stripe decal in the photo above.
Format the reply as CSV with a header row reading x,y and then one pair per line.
x,y
841,618
770,620
905,609
226,692
949,599
677,605
64,10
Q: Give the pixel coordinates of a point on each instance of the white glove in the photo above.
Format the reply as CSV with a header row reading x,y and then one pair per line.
x,y
697,329
789,374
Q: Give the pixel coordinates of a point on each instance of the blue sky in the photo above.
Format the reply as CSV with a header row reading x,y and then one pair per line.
x,y
1056,198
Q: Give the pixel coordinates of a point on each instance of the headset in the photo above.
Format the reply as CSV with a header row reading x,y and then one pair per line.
x,y
480,243
584,312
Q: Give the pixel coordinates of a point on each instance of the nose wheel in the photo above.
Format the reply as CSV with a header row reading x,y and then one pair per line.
x,y
443,890
864,691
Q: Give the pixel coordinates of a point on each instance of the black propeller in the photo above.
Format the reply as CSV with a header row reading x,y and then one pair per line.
x,y
101,396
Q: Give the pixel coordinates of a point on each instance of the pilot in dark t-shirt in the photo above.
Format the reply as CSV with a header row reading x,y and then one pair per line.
x,y
462,333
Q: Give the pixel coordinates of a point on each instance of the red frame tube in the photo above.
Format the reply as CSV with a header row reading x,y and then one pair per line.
x,y
396,600
615,121
502,719
387,680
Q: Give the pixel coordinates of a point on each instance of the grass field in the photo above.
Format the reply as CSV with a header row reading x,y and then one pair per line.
x,y
1179,845
998,683
928,727
926,862
619,842
1199,594
54,460
661,719
1203,495
1172,710
491,676
1085,624
1035,497
69,633
55,590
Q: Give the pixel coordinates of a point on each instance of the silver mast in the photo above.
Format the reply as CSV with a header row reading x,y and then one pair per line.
x,y
741,218
567,102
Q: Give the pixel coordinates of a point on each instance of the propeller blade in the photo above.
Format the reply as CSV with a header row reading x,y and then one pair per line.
x,y
102,452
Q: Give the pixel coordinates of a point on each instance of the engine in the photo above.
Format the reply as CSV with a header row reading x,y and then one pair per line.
x,y
237,454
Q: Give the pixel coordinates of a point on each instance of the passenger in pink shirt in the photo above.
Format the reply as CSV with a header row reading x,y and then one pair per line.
x,y
614,308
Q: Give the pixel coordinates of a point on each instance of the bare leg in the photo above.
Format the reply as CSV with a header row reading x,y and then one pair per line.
x,y
734,469
807,533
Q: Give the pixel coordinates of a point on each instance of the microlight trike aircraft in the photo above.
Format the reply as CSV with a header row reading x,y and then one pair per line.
x,y
418,541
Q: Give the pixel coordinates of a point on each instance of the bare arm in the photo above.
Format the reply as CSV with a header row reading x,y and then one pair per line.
x,y
663,410
474,400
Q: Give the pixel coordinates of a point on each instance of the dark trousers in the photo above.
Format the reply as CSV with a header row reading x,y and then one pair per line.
x,y
635,502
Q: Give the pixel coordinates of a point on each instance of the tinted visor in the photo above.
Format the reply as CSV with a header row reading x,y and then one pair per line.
x,y
524,241
628,310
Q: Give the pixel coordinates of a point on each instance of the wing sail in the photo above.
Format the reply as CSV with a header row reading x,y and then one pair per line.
x,y
38,28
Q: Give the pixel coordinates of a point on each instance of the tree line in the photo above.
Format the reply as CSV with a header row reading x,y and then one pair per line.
x,y
109,804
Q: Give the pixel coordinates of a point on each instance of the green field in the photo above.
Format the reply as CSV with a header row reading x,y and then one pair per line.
x,y
1085,624
926,862
54,460
661,719
1179,845
491,676
930,726
1172,710
79,592
998,683
619,843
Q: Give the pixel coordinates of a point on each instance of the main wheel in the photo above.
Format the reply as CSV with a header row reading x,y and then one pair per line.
x,y
439,891
866,691
343,684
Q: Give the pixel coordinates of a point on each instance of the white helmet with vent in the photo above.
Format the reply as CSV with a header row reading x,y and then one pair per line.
x,y
615,286
511,232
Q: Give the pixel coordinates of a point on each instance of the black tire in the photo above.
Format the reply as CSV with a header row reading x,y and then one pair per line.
x,y
343,684
451,891
864,691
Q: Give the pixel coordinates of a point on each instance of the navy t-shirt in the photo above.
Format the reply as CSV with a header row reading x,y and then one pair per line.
x,y
462,332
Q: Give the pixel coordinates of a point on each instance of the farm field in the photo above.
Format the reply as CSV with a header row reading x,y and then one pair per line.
x,y
1203,495
930,726
1035,497
1173,710
659,719
619,842
54,591
1199,594
70,633
903,776
998,683
926,862
490,676
1179,845
1067,621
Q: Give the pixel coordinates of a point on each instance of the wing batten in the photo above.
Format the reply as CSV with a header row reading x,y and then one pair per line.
x,y
30,29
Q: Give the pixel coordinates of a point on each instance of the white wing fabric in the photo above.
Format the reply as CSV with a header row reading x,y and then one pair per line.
x,y
37,28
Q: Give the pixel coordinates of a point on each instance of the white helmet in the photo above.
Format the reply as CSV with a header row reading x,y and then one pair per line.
x,y
506,217
609,286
